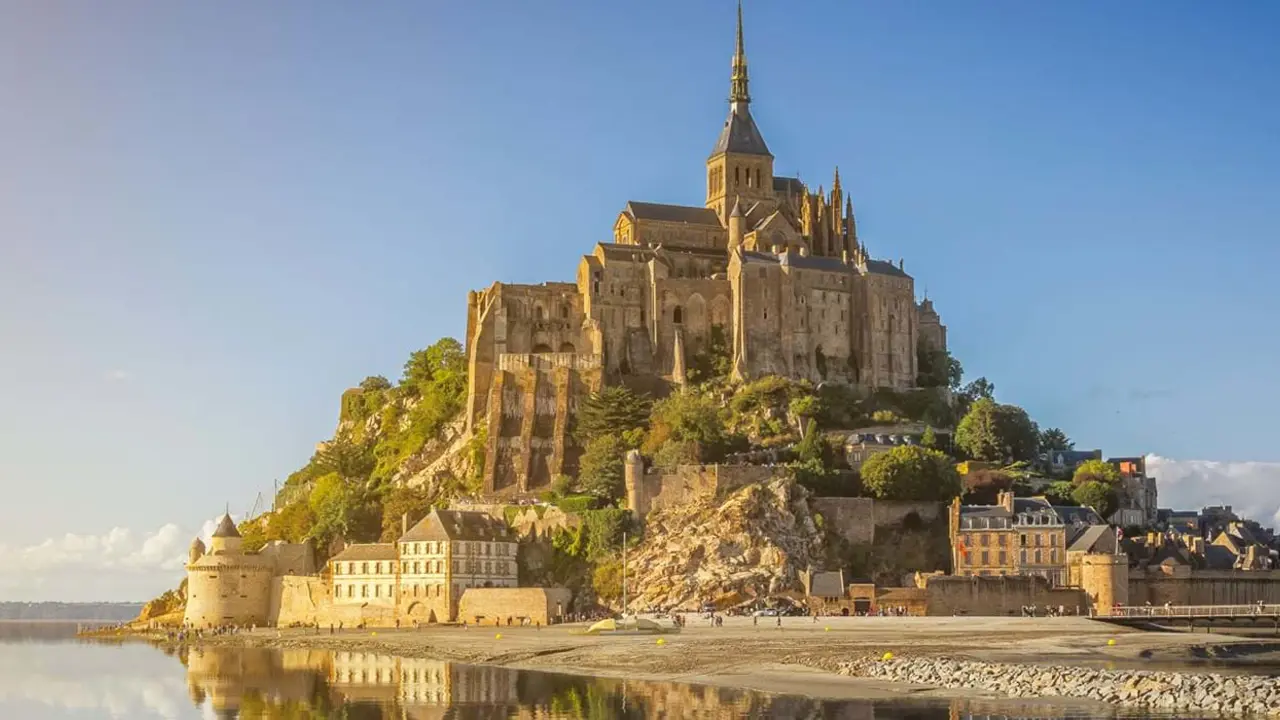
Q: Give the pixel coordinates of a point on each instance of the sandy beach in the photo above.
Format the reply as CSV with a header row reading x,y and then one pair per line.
x,y
800,657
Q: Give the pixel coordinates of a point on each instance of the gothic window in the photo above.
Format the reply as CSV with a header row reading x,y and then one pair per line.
x,y
539,313
757,177
677,315
564,311
567,347
737,177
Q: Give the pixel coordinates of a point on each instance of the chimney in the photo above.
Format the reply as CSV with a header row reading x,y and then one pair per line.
x,y
404,524
1005,500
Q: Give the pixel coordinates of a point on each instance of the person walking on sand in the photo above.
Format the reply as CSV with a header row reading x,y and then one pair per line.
x,y
779,622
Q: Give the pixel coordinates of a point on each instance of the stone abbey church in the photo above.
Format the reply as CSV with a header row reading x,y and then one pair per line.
x,y
776,270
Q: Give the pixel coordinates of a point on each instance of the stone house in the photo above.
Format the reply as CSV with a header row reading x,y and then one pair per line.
x,y
1017,536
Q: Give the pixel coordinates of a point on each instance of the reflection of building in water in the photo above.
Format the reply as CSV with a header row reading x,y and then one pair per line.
x,y
1011,709
233,680
422,687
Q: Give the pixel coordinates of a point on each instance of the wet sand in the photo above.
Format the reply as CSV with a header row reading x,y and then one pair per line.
x,y
800,657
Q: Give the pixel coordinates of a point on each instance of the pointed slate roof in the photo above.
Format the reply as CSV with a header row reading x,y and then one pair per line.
x,y
740,134
226,528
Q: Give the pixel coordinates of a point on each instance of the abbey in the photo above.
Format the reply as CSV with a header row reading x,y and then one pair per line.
x,y
776,271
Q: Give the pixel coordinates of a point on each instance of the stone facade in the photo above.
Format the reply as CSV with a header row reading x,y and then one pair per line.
x,y
653,489
1018,536
774,268
422,576
228,586
505,606
1004,595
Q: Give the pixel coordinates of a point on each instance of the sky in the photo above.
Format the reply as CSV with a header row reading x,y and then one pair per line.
x,y
216,217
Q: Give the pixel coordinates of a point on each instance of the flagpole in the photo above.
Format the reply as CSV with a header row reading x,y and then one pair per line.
x,y
624,575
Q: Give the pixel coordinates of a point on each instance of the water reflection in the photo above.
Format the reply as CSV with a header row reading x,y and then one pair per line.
x,y
250,684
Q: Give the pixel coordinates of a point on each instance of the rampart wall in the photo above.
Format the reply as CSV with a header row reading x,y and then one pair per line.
x,y
998,596
1204,587
856,519
654,489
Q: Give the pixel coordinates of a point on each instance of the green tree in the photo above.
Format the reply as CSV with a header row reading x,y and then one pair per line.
x,y
375,383
936,368
253,534
1096,471
613,410
606,580
401,500
714,361
442,364
601,467
1098,495
911,472
965,397
1059,493
1055,439
350,460
929,439
291,523
343,508
997,433
692,419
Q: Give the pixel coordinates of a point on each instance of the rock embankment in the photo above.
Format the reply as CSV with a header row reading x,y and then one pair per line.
x,y
748,545
1213,693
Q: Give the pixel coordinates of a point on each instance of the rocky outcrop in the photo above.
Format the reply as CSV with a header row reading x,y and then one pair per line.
x,y
1164,692
749,544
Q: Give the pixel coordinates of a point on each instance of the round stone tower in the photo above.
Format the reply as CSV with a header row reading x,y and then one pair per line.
x,y
227,586
1106,580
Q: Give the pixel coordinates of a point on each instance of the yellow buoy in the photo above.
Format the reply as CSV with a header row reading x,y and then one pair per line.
x,y
826,629
1112,641
373,634
497,636
662,641
887,656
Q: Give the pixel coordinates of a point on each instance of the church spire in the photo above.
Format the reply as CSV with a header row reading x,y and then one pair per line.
x,y
738,81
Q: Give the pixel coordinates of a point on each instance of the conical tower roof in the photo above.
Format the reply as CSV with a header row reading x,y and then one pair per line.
x,y
226,528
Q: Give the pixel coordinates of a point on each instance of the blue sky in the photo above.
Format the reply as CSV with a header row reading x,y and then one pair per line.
x,y
216,217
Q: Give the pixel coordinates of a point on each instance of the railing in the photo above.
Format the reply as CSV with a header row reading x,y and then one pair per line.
x,y
1193,611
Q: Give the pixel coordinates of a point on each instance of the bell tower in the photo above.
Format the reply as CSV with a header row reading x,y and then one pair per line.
x,y
740,165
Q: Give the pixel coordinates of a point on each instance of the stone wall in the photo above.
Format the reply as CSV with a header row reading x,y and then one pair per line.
x,y
1204,587
490,606
654,489
300,599
856,519
954,595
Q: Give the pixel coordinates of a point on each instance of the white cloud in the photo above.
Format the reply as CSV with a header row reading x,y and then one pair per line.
x,y
116,375
1252,489
119,564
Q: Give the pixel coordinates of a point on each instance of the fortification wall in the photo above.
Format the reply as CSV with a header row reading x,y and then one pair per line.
x,y
653,489
955,595
493,606
1205,587
298,599
228,594
856,519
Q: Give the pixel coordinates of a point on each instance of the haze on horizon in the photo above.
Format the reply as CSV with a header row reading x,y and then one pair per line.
x,y
213,219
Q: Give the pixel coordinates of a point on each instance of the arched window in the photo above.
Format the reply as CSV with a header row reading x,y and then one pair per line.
x,y
737,177
677,315
758,177
564,311
541,348
539,313
567,347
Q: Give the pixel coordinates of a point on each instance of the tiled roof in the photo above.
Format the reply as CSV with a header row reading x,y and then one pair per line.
x,y
672,213
459,525
368,551
740,135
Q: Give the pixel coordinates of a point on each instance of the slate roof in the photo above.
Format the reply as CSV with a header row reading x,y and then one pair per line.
x,y
884,267
459,525
984,511
672,213
1094,537
788,185
740,135
760,257
367,551
827,584
1076,515
226,528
